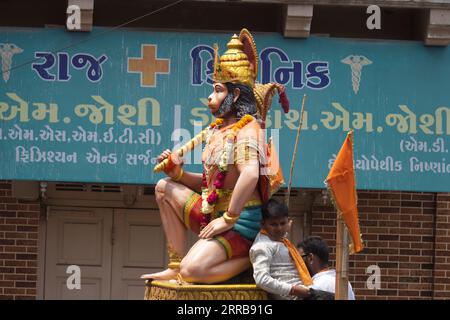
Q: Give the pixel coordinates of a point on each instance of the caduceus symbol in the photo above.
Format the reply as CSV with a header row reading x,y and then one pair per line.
x,y
356,63
7,50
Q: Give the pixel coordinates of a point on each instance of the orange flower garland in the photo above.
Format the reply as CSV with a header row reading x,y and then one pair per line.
x,y
210,197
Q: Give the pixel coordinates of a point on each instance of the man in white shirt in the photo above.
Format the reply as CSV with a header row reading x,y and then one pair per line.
x,y
315,252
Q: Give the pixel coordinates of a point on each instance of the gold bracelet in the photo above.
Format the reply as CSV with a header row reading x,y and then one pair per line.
x,y
179,176
229,219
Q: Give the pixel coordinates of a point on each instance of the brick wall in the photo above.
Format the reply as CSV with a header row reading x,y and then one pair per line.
x,y
18,245
441,269
407,235
402,239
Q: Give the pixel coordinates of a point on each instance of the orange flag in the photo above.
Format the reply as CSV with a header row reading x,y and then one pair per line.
x,y
342,187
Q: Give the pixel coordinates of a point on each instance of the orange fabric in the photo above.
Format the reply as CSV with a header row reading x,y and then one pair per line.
x,y
298,261
271,178
341,182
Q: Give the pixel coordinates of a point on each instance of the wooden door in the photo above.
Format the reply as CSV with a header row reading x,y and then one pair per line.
x,y
81,237
139,248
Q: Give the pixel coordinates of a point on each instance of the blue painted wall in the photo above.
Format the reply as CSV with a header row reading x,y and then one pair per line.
x,y
84,113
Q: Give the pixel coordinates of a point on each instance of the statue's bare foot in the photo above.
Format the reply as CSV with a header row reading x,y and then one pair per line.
x,y
167,274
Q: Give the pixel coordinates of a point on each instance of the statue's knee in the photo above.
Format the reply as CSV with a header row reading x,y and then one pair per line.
x,y
159,189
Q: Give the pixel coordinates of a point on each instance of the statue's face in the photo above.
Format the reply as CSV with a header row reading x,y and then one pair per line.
x,y
220,101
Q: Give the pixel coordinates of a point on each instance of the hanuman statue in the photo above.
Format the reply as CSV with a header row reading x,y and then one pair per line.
x,y
222,204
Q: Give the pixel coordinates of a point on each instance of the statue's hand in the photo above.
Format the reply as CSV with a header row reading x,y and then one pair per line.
x,y
215,227
174,168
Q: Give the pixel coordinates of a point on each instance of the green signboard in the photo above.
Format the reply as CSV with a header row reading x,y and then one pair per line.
x,y
102,109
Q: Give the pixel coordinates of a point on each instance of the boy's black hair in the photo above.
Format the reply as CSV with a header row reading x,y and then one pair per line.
x,y
317,246
274,209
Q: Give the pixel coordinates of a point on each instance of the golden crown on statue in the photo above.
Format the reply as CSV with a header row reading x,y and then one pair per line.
x,y
239,64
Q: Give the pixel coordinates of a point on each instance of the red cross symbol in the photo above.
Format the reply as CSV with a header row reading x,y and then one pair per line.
x,y
148,65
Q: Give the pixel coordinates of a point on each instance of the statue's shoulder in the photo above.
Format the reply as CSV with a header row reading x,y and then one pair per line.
x,y
251,129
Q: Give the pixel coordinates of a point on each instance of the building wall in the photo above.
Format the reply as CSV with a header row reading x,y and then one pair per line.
x,y
18,245
441,269
404,22
406,236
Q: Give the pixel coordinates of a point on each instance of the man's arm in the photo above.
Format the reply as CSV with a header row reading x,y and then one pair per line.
x,y
316,294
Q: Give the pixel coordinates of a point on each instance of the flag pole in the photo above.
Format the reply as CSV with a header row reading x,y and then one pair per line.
x,y
341,183
342,253
294,154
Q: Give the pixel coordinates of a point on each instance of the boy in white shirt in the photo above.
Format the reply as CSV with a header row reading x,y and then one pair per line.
x,y
275,259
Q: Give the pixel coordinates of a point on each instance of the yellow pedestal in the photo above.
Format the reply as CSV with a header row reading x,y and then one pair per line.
x,y
165,290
